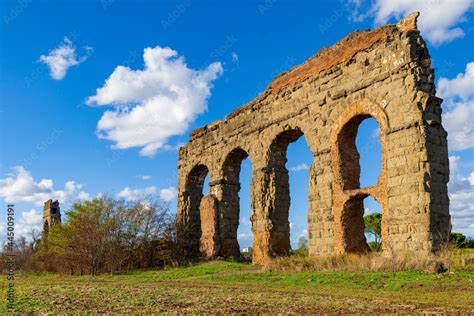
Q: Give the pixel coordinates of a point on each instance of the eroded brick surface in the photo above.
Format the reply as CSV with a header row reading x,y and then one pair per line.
x,y
209,244
384,74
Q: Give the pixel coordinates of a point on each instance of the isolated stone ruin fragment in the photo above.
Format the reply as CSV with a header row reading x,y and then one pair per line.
x,y
51,215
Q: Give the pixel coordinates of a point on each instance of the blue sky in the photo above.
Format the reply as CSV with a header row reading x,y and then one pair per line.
x,y
68,133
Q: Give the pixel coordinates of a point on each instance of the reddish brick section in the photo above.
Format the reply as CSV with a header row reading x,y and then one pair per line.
x,y
209,244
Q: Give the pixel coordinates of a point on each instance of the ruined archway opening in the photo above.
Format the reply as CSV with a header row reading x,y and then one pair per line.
x,y
299,161
235,223
370,151
373,224
205,186
194,189
353,227
244,231
362,225
290,161
360,152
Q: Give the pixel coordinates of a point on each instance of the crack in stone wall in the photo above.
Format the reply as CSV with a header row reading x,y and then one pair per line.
x,y
385,74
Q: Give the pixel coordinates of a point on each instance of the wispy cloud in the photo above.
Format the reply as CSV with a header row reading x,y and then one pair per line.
x,y
136,194
244,221
300,167
235,57
245,236
166,194
60,59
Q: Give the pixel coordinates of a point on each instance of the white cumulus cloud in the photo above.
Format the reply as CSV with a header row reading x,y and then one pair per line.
x,y
19,186
153,104
461,87
460,126
438,20
60,59
169,194
458,117
461,195
136,194
471,178
29,222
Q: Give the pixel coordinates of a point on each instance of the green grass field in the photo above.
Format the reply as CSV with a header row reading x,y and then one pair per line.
x,y
228,287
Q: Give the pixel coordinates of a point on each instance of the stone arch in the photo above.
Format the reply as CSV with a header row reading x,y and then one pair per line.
x,y
193,197
323,95
281,134
231,164
230,201
343,138
348,196
279,146
353,227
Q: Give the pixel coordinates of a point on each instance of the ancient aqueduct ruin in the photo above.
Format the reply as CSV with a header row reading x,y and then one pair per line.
x,y
385,74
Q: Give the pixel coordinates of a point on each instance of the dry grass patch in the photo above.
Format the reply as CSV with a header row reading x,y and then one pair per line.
x,y
375,262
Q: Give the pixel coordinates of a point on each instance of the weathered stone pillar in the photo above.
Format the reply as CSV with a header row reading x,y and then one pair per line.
x,y
270,204
188,220
210,242
188,224
436,167
407,200
418,172
228,196
320,215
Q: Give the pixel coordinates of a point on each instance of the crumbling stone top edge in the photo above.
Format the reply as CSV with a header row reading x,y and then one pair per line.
x,y
343,50
324,59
